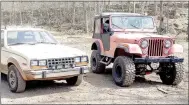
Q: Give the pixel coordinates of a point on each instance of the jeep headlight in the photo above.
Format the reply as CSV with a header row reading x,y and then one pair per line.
x,y
84,59
42,63
144,43
167,43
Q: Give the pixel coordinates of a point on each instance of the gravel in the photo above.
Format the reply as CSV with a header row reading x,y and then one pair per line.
x,y
99,88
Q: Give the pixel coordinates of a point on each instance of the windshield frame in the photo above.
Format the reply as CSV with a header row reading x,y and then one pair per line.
x,y
49,34
134,29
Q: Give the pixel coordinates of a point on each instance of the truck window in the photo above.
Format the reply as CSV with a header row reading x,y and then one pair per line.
x,y
106,25
97,26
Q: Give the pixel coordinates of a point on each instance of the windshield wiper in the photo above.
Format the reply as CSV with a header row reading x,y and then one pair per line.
x,y
47,42
21,43
134,26
117,26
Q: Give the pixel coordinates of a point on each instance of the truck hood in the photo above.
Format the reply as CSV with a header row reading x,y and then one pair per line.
x,y
46,51
132,37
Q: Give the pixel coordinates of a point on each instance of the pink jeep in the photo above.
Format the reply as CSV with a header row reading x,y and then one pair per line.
x,y
130,41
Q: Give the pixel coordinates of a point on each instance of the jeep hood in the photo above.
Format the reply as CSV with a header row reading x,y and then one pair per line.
x,y
46,51
131,37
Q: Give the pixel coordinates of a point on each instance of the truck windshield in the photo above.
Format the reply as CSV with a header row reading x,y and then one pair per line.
x,y
132,22
29,37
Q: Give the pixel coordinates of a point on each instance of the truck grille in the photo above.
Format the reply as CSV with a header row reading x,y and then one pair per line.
x,y
155,47
60,63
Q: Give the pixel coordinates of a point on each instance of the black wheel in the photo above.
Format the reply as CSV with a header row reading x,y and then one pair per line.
x,y
75,80
96,66
123,71
15,81
171,73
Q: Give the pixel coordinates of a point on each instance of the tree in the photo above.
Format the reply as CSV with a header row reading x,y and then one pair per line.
x,y
73,16
85,17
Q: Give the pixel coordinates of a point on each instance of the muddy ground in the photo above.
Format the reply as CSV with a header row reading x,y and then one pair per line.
x,y
100,88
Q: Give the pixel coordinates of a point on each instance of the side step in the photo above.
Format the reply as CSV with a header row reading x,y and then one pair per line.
x,y
106,62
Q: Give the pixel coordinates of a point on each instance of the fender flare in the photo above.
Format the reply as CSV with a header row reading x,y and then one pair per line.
x,y
126,49
97,44
15,63
130,48
176,48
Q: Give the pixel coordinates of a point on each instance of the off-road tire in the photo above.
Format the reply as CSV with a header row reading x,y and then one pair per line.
x,y
75,80
125,66
20,83
97,67
176,74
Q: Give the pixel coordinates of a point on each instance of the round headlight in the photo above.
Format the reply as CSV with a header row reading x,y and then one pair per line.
x,y
84,59
77,59
144,44
42,63
167,43
34,63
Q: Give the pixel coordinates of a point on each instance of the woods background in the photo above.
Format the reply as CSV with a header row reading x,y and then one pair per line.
x,y
77,17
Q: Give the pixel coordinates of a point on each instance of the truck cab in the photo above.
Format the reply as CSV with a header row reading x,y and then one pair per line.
x,y
130,41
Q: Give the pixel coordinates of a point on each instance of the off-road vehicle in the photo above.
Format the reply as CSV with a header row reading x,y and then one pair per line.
x,y
34,54
130,41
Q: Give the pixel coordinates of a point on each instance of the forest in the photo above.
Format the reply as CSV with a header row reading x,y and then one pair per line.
x,y
77,17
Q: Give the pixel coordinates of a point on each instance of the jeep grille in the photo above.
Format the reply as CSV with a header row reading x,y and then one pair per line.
x,y
155,47
60,62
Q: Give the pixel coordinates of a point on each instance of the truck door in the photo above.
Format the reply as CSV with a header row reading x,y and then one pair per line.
x,y
105,34
2,67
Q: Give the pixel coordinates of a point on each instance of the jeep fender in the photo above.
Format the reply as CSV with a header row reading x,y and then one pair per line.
x,y
97,45
130,48
176,48
15,62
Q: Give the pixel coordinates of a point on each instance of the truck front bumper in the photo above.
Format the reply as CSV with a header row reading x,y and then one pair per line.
x,y
156,60
45,74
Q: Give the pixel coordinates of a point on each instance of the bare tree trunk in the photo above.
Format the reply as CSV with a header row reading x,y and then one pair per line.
x,y
147,7
134,3
13,15
109,5
155,8
73,17
161,17
60,16
49,20
1,18
167,11
95,10
32,17
143,7
122,6
21,13
98,7
128,8
85,17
